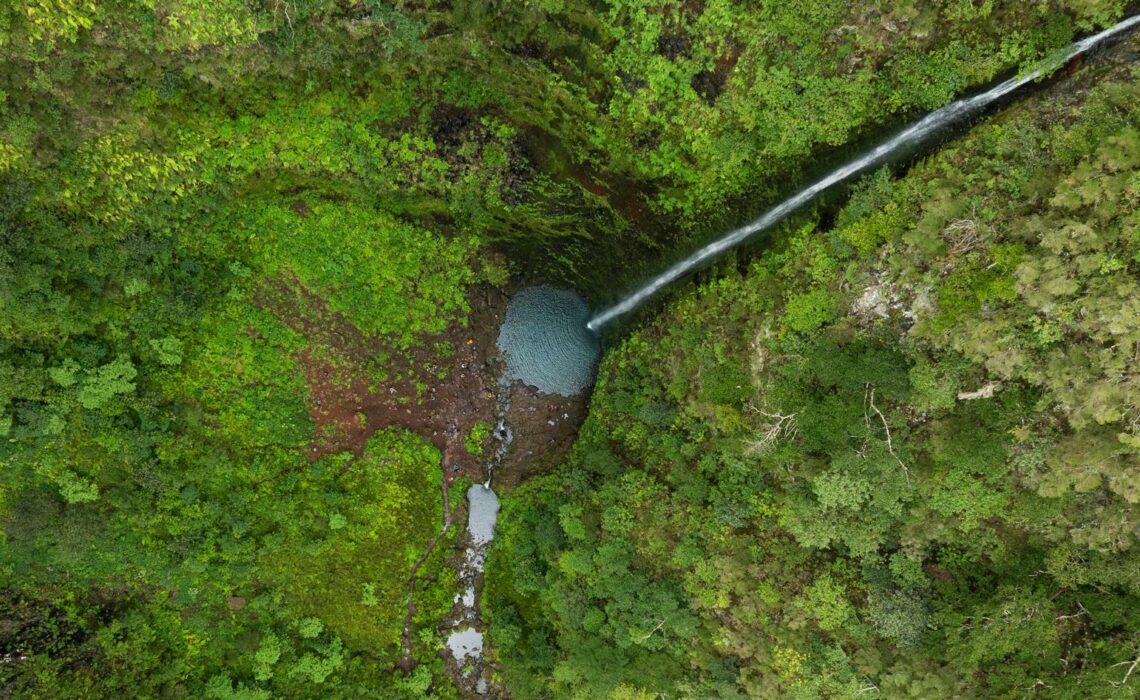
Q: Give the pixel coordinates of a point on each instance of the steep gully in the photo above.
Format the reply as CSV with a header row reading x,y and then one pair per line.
x,y
482,509
545,344
545,347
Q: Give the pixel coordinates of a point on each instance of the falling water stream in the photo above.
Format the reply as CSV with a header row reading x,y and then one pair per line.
x,y
932,122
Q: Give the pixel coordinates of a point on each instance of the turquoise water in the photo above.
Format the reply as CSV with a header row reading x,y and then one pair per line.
x,y
546,342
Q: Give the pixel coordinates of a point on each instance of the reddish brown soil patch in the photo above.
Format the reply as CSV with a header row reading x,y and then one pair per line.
x,y
348,406
590,184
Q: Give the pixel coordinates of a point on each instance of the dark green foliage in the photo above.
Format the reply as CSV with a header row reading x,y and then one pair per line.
x,y
779,491
914,475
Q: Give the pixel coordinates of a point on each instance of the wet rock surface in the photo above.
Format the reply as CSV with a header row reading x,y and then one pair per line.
x,y
465,640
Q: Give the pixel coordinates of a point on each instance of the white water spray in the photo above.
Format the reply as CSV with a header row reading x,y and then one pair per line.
x,y
917,131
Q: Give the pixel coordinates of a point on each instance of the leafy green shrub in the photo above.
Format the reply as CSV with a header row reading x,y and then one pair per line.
x,y
826,601
808,311
898,616
476,439
934,389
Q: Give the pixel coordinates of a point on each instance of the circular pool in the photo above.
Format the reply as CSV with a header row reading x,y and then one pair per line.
x,y
546,342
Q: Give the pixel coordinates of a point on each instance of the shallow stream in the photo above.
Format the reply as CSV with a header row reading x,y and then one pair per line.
x,y
466,641
546,345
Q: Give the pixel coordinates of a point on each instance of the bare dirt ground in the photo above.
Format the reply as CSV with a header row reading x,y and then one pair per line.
x,y
348,406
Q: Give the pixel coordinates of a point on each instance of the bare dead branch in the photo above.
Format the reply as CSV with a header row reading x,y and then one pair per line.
x,y
1135,662
963,236
650,633
887,428
985,392
778,425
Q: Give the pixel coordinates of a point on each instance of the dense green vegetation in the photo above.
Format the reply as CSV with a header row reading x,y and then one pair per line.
x,y
578,134
207,206
899,455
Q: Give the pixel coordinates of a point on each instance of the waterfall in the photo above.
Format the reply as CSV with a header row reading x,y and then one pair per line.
x,y
916,132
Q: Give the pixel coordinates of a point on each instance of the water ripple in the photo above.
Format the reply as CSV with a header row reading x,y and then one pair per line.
x,y
546,342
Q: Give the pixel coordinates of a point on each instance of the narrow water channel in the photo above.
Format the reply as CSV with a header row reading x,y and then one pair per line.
x,y
466,641
546,345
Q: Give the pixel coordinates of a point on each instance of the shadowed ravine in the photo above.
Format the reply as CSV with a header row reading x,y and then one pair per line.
x,y
913,134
